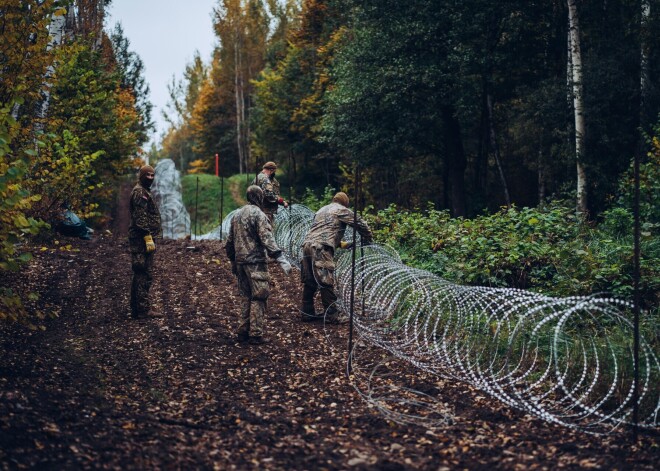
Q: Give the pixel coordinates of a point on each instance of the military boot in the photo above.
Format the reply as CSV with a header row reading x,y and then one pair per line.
x,y
337,317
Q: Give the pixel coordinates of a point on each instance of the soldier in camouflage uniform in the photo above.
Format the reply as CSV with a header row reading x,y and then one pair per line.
x,y
144,226
250,239
318,264
271,188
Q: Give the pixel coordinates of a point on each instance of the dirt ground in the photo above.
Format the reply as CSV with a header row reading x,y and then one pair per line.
x,y
97,390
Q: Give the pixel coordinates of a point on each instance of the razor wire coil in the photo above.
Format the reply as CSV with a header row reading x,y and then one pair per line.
x,y
565,360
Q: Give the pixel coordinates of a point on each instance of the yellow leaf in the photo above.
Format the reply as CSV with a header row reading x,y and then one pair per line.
x,y
20,221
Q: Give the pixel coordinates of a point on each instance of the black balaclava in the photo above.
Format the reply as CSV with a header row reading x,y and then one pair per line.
x,y
144,181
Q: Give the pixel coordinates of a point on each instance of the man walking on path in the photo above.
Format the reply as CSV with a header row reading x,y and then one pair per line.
x,y
271,188
318,264
250,239
144,226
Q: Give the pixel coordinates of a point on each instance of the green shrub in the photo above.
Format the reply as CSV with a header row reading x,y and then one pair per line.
x,y
547,249
314,202
16,225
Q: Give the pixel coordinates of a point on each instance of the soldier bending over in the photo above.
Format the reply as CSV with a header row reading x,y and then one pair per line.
x,y
318,264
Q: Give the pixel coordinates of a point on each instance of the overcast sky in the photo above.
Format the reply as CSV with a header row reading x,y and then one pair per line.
x,y
165,34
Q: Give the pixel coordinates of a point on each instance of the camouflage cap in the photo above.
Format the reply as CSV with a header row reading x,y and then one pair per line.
x,y
341,198
270,165
255,195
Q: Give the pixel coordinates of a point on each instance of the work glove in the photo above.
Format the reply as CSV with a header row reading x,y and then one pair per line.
x,y
283,203
149,241
345,245
286,266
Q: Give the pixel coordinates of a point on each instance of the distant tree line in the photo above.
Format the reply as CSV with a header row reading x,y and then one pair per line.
x,y
469,104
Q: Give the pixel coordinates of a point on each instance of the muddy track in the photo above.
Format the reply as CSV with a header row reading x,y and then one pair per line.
x,y
97,390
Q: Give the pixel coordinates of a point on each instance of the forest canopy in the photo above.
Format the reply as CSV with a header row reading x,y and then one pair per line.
x,y
470,105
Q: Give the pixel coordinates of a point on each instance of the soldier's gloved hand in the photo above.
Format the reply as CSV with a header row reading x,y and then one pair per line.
x,y
149,241
234,269
286,266
346,245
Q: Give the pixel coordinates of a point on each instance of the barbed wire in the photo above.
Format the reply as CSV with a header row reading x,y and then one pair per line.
x,y
567,361
166,191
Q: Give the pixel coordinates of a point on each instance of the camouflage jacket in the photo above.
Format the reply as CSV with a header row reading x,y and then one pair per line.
x,y
250,237
271,188
145,217
330,224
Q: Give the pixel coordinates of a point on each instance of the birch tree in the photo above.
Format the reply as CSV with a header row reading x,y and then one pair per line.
x,y
578,104
56,31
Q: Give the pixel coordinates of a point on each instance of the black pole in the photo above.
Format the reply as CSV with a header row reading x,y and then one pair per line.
x,y
636,275
196,201
290,203
349,368
222,200
165,206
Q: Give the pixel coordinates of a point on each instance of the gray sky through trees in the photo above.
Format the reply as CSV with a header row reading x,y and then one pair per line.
x,y
165,34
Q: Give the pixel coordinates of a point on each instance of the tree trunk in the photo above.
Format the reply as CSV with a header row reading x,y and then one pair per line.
x,y
246,120
481,161
456,162
496,149
644,62
445,185
239,98
56,31
578,105
540,168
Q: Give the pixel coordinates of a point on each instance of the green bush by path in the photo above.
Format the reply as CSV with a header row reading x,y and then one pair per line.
x,y
545,249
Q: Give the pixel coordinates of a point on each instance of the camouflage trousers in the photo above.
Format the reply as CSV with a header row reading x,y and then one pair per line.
x,y
317,273
253,286
142,264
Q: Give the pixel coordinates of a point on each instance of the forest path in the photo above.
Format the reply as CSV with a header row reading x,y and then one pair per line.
x,y
99,390
236,193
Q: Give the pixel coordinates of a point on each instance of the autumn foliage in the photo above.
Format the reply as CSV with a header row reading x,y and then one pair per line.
x,y
69,124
